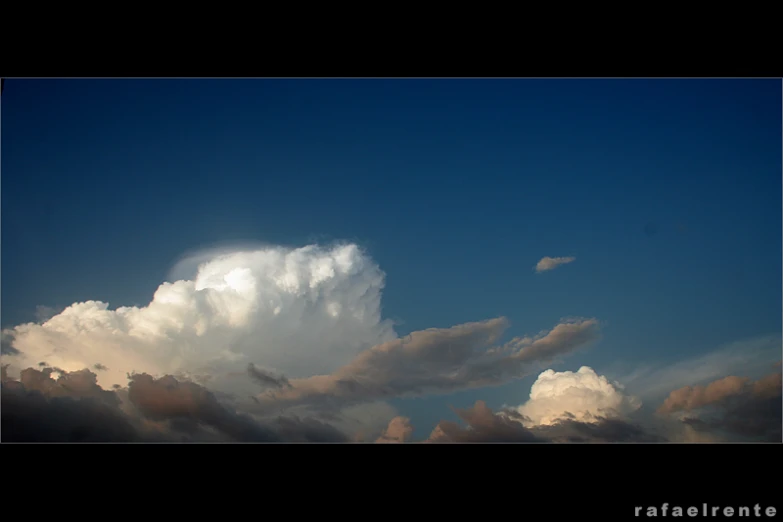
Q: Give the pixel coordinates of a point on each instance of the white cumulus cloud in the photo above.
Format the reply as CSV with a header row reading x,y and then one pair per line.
x,y
582,396
299,311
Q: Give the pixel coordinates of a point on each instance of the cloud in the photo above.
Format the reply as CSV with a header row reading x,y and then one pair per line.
x,y
731,408
599,429
167,399
74,408
484,425
579,406
300,310
582,396
247,336
550,263
690,397
365,422
434,361
750,356
7,343
32,417
267,379
38,408
398,430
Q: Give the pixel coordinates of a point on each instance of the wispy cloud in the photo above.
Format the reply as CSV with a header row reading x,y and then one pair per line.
x,y
750,357
550,263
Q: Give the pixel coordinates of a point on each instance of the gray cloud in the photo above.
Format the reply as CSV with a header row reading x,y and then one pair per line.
x,y
602,429
731,408
267,379
693,397
74,408
75,385
484,425
550,263
167,398
434,361
31,417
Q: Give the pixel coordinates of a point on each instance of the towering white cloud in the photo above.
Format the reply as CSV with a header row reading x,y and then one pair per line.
x,y
298,311
583,396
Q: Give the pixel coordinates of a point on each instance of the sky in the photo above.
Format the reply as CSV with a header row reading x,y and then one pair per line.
x,y
453,260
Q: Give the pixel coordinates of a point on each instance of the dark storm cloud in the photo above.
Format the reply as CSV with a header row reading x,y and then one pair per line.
x,y
167,399
484,425
81,384
295,429
100,367
74,408
267,379
31,417
37,408
601,430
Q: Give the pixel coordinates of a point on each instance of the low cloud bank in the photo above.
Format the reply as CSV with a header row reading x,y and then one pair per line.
x,y
278,344
484,425
74,408
731,409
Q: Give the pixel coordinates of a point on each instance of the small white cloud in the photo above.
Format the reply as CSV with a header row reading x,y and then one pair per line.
x,y
550,263
582,396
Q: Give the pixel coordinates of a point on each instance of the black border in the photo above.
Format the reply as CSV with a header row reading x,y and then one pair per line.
x,y
375,481
564,41
560,481
703,51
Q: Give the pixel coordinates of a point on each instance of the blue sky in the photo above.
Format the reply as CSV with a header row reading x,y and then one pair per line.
x,y
667,193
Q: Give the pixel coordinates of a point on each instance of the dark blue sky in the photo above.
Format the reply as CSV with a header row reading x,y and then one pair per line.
x,y
668,193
